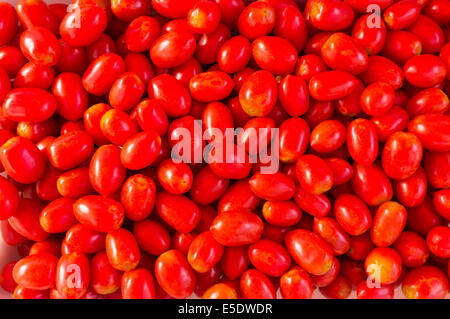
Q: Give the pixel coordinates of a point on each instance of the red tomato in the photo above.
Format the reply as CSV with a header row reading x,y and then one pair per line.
x,y
172,49
328,15
105,279
72,275
36,272
210,86
122,250
256,20
426,282
255,285
274,54
138,284
331,85
173,97
99,213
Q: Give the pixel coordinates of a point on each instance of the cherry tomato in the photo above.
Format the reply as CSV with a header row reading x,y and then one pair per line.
x,y
426,282
383,265
105,279
36,272
255,285
122,249
72,275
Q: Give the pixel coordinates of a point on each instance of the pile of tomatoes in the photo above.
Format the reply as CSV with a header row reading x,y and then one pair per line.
x,y
95,96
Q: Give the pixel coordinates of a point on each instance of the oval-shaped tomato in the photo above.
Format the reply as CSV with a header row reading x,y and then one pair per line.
x,y
314,174
73,275
426,282
255,285
172,95
331,85
352,214
9,202
29,105
274,54
36,272
388,223
172,49
99,213
256,20
126,91
371,184
102,72
234,54
310,251
77,143
237,228
105,279
178,211
258,93
22,160
433,130
122,250
83,25
138,284
174,274
140,150
383,265
328,15
58,217
210,86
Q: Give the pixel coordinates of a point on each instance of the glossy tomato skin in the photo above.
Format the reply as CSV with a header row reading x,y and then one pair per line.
x,y
173,97
296,284
138,197
234,261
412,248
332,15
383,265
210,86
432,131
371,38
128,10
281,213
436,166
29,104
92,119
140,150
83,239
106,172
269,257
259,86
99,213
138,284
75,183
105,279
102,72
274,54
371,184
208,45
174,274
172,49
401,46
238,196
71,96
328,136
236,228
9,23
36,272
156,244
381,69
316,205
293,95
92,21
277,186
77,143
438,239
40,46
204,17
333,234
388,224
178,211
130,83
257,19
117,126
425,70
33,75
352,214
11,59
58,217
25,220
429,33
377,98
331,85
67,264
294,134
207,187
10,198
411,191
355,59
234,54
173,8
314,174
204,252
402,155
426,282
151,115
255,285
400,15
441,200
22,160
122,250
388,123
310,251
383,292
